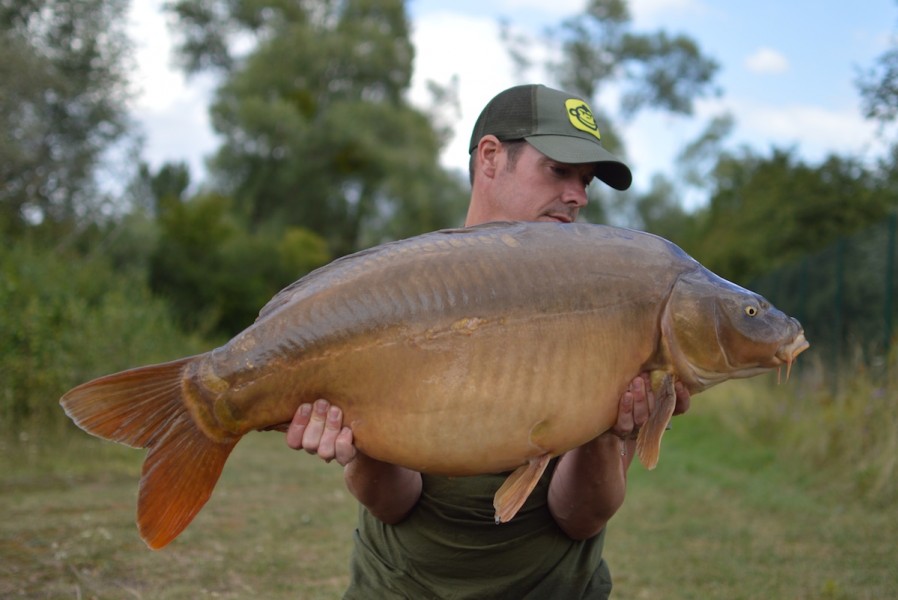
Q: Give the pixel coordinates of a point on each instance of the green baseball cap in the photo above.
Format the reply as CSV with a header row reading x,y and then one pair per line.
x,y
558,124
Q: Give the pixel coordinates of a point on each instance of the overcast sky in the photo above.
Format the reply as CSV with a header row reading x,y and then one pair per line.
x,y
787,73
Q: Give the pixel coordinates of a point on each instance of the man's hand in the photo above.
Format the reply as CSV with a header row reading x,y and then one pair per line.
x,y
389,491
634,408
638,402
318,429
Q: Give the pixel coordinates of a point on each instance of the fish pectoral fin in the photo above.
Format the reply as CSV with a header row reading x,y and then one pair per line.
x,y
648,443
510,497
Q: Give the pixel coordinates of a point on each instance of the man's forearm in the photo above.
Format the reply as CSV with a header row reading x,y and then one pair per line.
x,y
589,485
388,491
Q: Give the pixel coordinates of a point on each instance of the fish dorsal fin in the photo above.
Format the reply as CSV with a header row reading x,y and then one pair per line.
x,y
648,444
514,492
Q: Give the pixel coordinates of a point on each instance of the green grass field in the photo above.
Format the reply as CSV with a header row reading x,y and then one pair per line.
x,y
721,517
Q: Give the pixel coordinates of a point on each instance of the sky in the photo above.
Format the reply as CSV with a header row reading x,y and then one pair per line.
x,y
787,72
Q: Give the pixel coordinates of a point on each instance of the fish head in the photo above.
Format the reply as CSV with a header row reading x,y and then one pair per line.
x,y
716,330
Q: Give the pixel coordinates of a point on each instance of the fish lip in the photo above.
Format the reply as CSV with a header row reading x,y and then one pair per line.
x,y
790,351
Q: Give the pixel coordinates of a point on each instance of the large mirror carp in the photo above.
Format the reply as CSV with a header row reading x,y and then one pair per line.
x,y
459,352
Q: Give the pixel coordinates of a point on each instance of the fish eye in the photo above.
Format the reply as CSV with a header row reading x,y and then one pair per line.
x,y
751,310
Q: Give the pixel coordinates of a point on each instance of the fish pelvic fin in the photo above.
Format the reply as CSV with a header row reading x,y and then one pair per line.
x,y
648,443
510,497
145,408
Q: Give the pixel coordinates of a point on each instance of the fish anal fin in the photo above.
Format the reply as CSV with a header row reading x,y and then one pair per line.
x,y
179,475
648,443
510,497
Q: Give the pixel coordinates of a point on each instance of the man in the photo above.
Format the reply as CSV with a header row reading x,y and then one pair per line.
x,y
534,151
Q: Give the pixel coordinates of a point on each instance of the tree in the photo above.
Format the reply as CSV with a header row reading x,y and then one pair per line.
x,y
317,130
64,88
654,70
767,211
659,211
213,271
878,86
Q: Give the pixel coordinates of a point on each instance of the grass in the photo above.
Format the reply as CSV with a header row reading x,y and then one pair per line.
x,y
279,525
723,516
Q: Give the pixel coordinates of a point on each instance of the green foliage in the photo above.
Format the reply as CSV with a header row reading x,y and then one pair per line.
x,y
665,72
878,86
657,70
653,70
847,434
659,212
66,319
317,131
810,205
63,90
216,274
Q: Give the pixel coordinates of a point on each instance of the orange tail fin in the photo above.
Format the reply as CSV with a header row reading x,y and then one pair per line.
x,y
144,408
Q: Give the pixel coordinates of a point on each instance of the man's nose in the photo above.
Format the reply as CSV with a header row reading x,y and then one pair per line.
x,y
575,194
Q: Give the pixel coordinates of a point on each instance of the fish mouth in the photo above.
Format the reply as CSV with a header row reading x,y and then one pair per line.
x,y
787,353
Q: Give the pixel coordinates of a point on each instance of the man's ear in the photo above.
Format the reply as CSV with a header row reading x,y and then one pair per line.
x,y
488,151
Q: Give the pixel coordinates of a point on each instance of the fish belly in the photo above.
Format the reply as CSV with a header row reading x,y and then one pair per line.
x,y
476,396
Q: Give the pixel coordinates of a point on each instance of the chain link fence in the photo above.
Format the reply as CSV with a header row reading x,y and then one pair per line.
x,y
844,296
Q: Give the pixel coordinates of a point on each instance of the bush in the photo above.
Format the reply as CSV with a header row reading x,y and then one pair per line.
x,y
67,319
847,433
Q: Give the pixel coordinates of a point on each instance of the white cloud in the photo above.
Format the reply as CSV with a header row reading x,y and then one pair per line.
x,y
172,111
481,64
653,139
159,84
651,9
816,130
767,61
556,7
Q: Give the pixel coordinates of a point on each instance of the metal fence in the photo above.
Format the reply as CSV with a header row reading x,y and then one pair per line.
x,y
844,297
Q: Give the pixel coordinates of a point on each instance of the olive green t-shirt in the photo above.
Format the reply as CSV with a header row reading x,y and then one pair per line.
x,y
449,547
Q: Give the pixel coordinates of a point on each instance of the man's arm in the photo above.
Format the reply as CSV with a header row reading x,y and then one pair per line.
x,y
590,482
388,491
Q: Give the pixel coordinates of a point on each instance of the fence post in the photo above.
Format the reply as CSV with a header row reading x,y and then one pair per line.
x,y
889,283
839,306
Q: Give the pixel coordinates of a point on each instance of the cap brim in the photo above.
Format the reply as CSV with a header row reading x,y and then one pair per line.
x,y
576,150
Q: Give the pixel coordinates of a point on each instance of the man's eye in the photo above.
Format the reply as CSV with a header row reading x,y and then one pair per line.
x,y
560,171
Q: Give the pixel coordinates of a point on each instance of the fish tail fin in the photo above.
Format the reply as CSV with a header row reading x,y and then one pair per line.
x,y
648,443
512,494
178,477
144,408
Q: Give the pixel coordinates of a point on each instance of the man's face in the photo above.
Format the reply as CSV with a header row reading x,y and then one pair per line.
x,y
537,188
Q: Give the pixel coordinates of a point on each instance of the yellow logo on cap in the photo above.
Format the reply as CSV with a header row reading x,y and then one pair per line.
x,y
581,116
